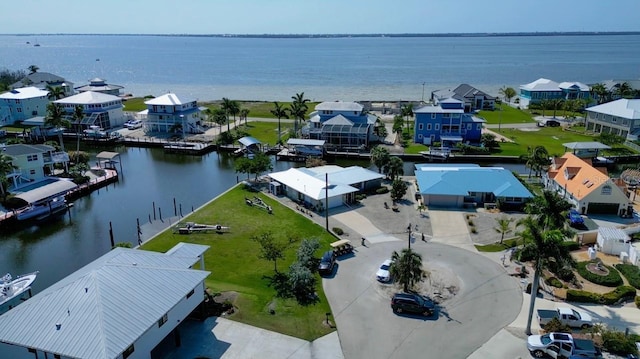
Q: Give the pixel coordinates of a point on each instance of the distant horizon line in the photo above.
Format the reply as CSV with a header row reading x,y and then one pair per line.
x,y
450,34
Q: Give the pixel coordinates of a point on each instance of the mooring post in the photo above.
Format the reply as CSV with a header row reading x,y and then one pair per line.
x,y
111,235
175,210
160,214
154,210
180,209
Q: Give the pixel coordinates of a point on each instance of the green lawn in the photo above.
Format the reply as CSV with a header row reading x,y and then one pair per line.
x,y
497,247
551,138
506,114
267,132
135,104
234,264
261,108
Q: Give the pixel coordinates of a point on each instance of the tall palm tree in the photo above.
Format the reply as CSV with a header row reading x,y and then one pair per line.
x,y
298,109
6,167
55,118
33,69
226,106
55,92
244,113
219,117
234,110
544,104
623,90
394,168
546,247
549,210
537,160
77,116
556,104
380,157
280,112
504,226
507,93
406,268
600,92
407,112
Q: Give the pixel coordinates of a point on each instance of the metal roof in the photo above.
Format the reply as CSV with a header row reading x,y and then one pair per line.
x,y
586,146
623,108
88,98
461,181
24,93
22,149
612,233
304,142
188,250
541,84
309,185
107,155
248,141
46,191
349,175
101,310
339,106
169,99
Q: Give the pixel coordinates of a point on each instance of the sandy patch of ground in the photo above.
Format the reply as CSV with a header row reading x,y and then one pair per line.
x,y
440,284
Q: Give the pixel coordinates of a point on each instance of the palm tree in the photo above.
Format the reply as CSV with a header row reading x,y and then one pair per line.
x,y
234,110
623,90
407,112
549,210
244,113
394,168
298,109
544,104
280,112
546,247
33,69
600,92
6,167
226,106
219,117
55,118
55,92
537,159
556,104
504,226
507,93
77,116
380,157
406,268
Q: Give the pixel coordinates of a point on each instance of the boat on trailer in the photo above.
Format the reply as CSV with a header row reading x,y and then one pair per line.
x,y
11,288
191,227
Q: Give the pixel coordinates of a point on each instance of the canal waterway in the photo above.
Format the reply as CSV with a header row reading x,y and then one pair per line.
x,y
149,177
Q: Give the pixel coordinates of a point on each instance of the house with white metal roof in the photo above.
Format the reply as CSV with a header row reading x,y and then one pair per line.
x,y
122,305
448,185
171,112
341,124
102,110
324,185
43,79
33,162
545,89
99,85
620,117
22,103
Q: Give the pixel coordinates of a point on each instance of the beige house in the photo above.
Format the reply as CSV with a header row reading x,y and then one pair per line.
x,y
589,189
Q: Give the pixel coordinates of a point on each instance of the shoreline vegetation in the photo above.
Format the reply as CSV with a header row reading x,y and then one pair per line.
x,y
304,36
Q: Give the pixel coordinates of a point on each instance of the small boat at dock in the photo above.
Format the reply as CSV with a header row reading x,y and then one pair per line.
x,y
11,288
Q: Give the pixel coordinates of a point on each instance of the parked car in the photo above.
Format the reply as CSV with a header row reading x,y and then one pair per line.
x,y
556,345
575,219
412,303
133,125
383,274
327,262
571,317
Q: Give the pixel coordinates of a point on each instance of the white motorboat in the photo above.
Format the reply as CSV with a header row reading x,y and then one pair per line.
x,y
14,287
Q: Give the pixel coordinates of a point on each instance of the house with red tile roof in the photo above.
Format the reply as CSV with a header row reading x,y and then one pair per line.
x,y
589,189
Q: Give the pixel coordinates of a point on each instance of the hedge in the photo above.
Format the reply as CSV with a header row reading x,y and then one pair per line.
x,y
631,272
554,282
621,292
612,279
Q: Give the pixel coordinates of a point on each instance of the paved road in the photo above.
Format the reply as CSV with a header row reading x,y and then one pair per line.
x,y
488,301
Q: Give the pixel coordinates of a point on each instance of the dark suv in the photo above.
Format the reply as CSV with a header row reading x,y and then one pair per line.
x,y
412,303
327,262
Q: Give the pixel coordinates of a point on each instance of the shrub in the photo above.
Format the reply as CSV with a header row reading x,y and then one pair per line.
x,y
631,272
555,325
337,230
581,296
470,222
571,245
612,279
474,230
382,190
617,343
637,300
554,282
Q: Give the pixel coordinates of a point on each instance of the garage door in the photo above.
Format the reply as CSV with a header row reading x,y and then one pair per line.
x,y
603,208
442,201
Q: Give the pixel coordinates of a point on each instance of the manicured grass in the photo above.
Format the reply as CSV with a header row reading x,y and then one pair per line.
x,y
506,114
234,264
551,138
261,108
497,247
135,104
267,132
631,272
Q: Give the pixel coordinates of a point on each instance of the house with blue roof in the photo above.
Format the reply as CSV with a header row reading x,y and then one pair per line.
x,y
446,123
459,185
341,124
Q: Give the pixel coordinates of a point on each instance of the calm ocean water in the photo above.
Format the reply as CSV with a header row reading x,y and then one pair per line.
x,y
209,68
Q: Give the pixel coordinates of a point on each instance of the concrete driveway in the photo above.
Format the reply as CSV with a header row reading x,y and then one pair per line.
x,y
488,300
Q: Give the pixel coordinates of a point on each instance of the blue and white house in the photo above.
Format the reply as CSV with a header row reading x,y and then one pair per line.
x,y
342,124
165,112
457,185
22,103
474,99
545,89
101,110
446,123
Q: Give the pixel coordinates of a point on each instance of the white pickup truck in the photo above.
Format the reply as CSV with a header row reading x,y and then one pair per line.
x,y
561,345
574,318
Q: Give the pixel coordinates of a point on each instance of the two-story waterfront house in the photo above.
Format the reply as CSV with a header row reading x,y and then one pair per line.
x,y
99,85
43,79
446,123
33,162
474,99
620,117
21,104
170,113
342,124
545,89
101,110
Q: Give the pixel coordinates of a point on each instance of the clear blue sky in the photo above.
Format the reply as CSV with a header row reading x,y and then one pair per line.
x,y
315,16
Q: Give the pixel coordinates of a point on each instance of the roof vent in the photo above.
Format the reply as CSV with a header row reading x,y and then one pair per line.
x,y
86,289
58,326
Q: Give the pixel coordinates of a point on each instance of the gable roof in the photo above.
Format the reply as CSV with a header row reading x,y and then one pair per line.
x,y
103,307
465,178
577,176
573,85
169,99
307,184
339,106
338,120
468,91
24,93
40,78
23,149
88,98
623,108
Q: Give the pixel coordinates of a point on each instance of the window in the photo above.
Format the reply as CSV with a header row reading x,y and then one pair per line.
x,y
420,126
446,115
31,158
469,126
56,356
428,127
32,172
419,137
614,119
479,126
163,320
606,190
127,352
190,293
19,109
437,126
433,116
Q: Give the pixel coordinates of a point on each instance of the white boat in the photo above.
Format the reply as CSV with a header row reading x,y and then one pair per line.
x,y
436,153
14,287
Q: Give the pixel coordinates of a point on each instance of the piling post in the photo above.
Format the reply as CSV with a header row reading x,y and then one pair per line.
x,y
175,209
113,244
154,210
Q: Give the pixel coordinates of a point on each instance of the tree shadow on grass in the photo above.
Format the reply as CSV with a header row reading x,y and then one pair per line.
x,y
280,282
